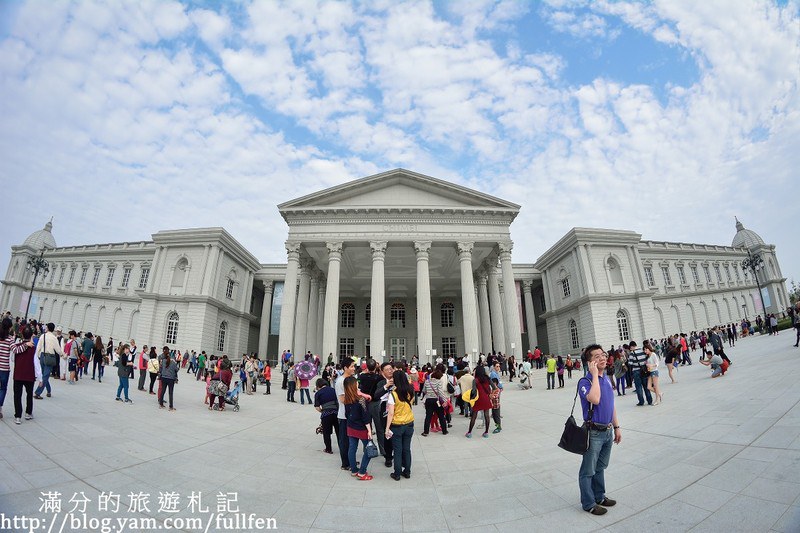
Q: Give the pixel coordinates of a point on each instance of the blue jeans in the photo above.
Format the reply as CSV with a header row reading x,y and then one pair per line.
x,y
637,381
45,381
351,454
123,386
3,385
401,447
621,383
344,443
591,477
307,395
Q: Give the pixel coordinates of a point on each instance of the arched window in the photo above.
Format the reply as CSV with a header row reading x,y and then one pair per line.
x,y
231,285
573,334
397,315
622,326
614,272
221,337
448,315
179,274
172,328
368,314
348,315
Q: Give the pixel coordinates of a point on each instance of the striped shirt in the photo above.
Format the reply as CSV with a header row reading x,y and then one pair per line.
x,y
7,348
637,359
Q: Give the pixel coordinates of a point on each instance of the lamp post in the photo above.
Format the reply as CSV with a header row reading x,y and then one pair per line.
x,y
755,263
35,265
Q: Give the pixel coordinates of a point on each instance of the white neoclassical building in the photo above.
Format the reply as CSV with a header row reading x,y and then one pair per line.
x,y
393,264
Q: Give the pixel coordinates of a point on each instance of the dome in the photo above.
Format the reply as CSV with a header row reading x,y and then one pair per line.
x,y
41,239
745,238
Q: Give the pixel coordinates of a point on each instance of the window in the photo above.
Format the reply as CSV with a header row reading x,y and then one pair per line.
x,y
708,273
397,315
448,315
573,334
143,277
397,348
84,270
347,347
229,289
728,273
96,276
448,347
110,276
348,315
648,274
695,277
221,336
71,275
622,326
667,277
565,287
61,275
542,303
681,276
172,328
126,276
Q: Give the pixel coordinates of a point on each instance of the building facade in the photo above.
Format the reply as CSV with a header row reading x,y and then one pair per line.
x,y
393,265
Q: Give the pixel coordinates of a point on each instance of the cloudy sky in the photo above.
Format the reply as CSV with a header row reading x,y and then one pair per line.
x,y
123,118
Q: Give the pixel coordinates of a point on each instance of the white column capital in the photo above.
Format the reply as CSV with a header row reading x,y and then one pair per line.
x,y
527,285
482,277
269,286
334,249
378,249
293,249
465,249
505,250
422,247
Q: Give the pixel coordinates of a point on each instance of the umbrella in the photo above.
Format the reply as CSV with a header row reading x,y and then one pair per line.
x,y
305,370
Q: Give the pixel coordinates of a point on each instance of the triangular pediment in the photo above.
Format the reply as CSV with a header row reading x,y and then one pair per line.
x,y
398,189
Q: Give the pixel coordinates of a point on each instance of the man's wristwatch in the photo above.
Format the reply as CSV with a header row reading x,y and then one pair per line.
x,y
616,427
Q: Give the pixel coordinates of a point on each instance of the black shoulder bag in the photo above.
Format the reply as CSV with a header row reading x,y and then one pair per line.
x,y
575,438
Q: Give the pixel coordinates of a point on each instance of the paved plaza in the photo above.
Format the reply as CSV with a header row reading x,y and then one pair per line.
x,y
717,455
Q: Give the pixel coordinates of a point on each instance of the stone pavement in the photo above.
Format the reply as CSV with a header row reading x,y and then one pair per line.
x,y
717,455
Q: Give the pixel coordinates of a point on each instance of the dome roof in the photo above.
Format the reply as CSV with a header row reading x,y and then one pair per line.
x,y
746,238
41,239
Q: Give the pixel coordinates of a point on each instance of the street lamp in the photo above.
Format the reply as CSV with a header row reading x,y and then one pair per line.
x,y
35,265
755,263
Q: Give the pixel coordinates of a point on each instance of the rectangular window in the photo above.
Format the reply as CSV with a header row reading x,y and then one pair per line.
x,y
708,274
347,347
681,275
110,276
126,276
448,312
397,347
143,278
565,287
348,318
84,270
448,347
667,277
71,275
61,275
695,277
96,276
648,274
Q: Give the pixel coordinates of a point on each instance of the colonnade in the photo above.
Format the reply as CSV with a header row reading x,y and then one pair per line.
x,y
310,310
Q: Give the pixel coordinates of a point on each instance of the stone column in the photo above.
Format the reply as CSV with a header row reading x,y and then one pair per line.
x,y
377,320
331,324
527,292
286,337
247,293
496,310
483,307
321,319
313,315
301,320
266,316
584,252
424,320
511,310
468,307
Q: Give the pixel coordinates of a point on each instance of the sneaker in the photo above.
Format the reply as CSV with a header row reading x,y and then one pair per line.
x,y
394,476
496,430
38,397
597,510
118,399
49,395
28,417
364,477
406,475
128,400
607,502
17,421
468,435
171,408
486,435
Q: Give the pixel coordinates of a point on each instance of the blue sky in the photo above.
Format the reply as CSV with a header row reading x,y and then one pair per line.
x,y
667,118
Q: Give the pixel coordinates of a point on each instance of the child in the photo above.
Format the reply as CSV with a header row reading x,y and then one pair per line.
x,y
495,397
267,376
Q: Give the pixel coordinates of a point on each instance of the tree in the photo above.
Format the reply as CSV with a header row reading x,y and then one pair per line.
x,y
794,293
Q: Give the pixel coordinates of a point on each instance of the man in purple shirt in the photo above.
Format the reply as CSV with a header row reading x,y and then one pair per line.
x,y
596,392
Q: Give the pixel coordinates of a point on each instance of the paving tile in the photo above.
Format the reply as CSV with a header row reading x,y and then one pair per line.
x,y
667,516
743,513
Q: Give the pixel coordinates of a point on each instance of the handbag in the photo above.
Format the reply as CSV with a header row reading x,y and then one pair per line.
x,y
575,438
371,450
471,396
48,359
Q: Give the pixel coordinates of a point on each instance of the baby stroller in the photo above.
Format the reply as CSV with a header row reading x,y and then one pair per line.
x,y
232,397
524,379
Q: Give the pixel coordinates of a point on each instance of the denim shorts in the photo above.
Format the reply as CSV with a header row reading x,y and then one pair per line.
x,y
654,373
